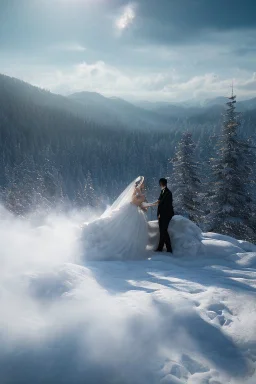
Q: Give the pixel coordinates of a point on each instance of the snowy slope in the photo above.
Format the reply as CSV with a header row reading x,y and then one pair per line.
x,y
161,320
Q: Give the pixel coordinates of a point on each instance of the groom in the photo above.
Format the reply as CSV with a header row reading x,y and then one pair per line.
x,y
165,213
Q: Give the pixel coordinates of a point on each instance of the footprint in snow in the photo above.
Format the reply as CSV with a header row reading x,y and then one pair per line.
x,y
220,313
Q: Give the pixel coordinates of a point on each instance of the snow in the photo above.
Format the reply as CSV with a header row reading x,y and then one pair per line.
x,y
165,320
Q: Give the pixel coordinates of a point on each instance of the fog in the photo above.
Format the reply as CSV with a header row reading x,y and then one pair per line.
x,y
60,321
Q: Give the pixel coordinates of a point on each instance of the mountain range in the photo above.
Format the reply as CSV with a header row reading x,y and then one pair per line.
x,y
193,108
116,112
52,145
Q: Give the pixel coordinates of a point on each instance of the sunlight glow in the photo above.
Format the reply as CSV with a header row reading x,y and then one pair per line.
x,y
126,18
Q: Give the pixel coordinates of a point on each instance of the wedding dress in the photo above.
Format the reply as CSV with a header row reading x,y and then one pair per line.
x,y
123,233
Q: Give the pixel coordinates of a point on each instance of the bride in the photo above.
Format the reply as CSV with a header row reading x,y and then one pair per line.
x,y
123,233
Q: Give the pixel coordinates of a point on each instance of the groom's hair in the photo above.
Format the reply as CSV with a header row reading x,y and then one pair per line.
x,y
163,182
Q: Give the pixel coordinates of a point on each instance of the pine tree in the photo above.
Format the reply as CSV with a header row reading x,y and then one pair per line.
x,y
52,184
186,184
231,203
89,192
86,195
24,190
13,195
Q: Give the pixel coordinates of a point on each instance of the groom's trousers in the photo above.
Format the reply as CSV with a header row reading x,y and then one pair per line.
x,y
164,235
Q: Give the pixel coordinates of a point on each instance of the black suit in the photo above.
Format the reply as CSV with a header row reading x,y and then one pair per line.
x,y
165,213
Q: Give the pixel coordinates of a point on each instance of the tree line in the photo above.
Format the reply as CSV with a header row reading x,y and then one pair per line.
x,y
218,195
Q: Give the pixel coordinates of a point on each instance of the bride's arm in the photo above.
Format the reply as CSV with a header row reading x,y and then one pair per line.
x,y
147,205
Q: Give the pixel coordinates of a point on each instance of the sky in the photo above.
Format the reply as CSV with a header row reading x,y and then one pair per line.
x,y
157,50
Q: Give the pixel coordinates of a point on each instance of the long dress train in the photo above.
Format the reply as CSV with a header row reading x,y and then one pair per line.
x,y
122,235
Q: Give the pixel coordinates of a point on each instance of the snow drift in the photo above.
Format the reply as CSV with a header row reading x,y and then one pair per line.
x,y
161,320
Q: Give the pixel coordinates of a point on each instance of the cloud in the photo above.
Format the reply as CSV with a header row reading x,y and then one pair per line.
x,y
165,85
248,85
109,80
69,47
245,51
179,22
212,85
127,17
148,47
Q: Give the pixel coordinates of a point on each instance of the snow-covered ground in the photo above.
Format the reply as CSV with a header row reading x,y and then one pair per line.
x,y
162,320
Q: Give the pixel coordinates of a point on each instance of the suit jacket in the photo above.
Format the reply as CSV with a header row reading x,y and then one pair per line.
x,y
165,206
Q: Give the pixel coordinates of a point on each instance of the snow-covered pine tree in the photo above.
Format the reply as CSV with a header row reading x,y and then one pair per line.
x,y
89,192
185,183
86,196
52,184
231,203
12,194
24,190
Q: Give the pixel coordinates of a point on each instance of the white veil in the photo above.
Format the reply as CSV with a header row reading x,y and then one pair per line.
x,y
125,197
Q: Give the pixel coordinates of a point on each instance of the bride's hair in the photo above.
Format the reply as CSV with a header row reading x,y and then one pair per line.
x,y
139,181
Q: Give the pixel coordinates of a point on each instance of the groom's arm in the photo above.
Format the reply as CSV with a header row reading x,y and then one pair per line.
x,y
155,203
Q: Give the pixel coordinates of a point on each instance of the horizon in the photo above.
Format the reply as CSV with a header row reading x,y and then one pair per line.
x,y
168,51
134,101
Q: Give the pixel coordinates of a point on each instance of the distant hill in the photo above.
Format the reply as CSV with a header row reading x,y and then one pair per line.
x,y
192,109
247,105
90,106
114,110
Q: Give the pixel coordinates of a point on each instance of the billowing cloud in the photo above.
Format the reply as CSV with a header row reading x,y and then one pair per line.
x,y
179,22
249,85
127,17
168,85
